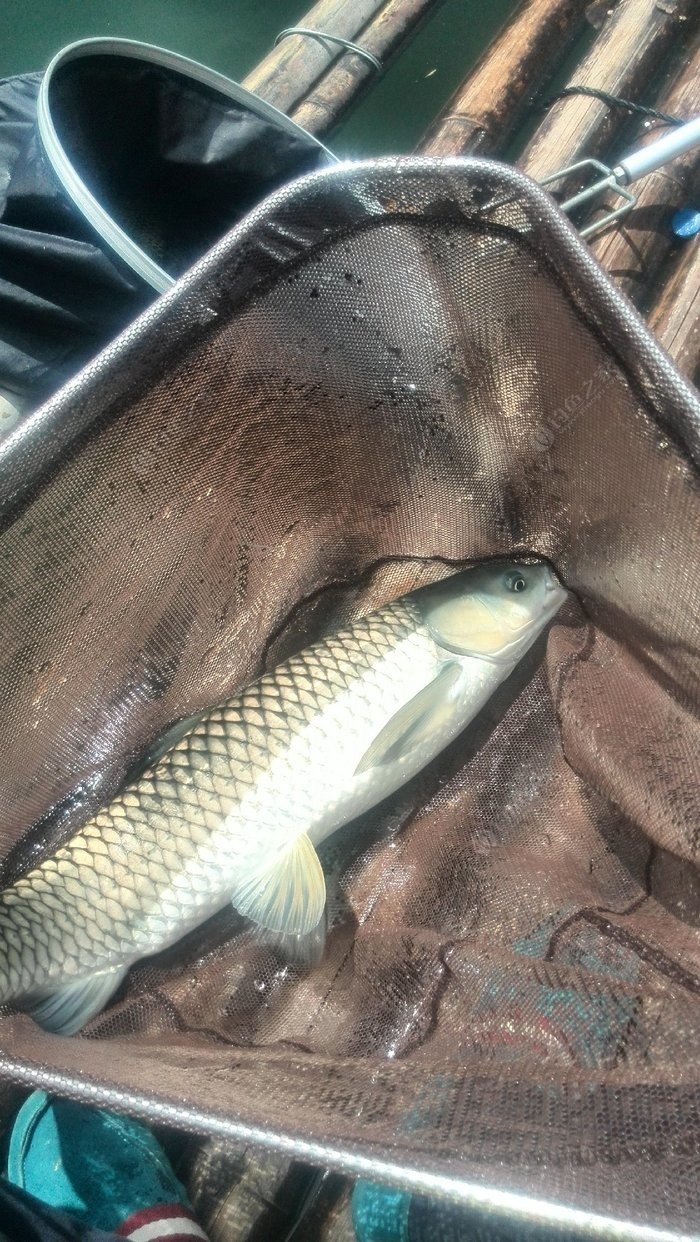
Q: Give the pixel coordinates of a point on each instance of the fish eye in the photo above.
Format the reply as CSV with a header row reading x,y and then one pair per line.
x,y
516,582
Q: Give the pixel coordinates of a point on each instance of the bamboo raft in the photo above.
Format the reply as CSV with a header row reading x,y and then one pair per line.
x,y
643,50
646,51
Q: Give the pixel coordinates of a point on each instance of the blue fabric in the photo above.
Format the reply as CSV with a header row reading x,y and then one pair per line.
x,y
98,1166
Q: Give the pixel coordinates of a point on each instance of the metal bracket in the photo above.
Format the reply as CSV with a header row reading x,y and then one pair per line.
x,y
323,38
609,181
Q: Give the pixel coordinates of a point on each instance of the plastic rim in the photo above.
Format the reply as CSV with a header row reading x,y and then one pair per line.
x,y
100,219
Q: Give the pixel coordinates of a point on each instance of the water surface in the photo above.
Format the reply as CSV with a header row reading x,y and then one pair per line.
x,y
233,35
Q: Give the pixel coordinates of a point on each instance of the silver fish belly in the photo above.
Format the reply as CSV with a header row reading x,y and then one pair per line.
x,y
233,811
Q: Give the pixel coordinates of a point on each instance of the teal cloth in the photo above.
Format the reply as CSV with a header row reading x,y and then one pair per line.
x,y
98,1166
380,1213
384,1214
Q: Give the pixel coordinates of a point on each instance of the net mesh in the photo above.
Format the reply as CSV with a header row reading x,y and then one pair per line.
x,y
387,371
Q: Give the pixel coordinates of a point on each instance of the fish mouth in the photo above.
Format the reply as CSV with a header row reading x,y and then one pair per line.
x,y
550,582
554,593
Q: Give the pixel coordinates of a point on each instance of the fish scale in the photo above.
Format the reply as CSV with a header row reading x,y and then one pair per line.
x,y
162,823
232,811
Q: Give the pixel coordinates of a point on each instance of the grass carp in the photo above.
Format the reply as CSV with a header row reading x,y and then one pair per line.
x,y
233,812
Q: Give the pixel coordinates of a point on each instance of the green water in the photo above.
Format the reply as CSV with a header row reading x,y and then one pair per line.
x,y
233,35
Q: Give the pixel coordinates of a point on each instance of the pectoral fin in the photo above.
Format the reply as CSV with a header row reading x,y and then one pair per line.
x,y
290,896
155,750
65,1010
414,724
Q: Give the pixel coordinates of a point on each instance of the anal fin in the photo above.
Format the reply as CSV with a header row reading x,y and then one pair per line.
x,y
304,951
66,1009
288,897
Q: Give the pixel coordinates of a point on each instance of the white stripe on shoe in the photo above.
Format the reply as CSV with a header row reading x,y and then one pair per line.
x,y
165,1222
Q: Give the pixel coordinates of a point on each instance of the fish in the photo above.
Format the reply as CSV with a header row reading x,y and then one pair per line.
x,y
234,810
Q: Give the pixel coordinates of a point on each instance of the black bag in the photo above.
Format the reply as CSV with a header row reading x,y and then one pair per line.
x,y
26,1219
119,167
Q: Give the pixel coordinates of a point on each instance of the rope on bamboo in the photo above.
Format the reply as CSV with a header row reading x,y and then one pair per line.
x,y
613,101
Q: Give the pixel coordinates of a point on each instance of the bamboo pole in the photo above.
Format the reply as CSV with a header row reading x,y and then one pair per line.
x,y
491,101
289,71
339,87
242,1192
634,252
675,315
627,53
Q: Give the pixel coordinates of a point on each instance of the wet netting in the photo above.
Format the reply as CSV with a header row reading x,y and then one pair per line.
x,y
387,371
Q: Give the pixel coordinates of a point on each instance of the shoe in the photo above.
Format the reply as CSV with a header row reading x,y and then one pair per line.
x,y
100,1167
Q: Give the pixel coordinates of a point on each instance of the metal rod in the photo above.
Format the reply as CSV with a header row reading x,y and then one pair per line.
x,y
580,166
324,37
338,89
628,50
289,71
634,255
647,159
613,215
608,181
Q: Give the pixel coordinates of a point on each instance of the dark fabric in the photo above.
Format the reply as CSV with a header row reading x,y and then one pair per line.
x,y
177,163
62,296
388,371
26,1219
174,163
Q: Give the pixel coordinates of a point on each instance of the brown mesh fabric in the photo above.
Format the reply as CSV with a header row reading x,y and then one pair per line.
x,y
388,371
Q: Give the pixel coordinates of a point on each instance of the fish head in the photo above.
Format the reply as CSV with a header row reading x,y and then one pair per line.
x,y
493,612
